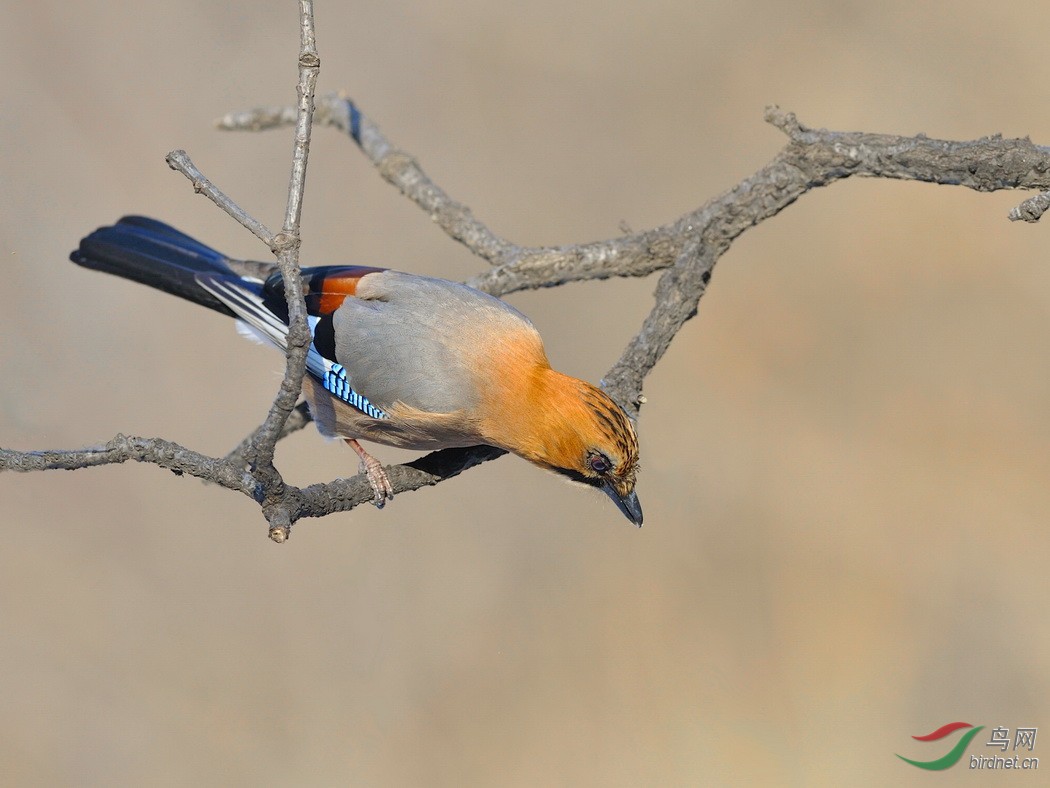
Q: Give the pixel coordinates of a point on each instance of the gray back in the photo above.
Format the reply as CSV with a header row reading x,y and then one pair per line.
x,y
422,341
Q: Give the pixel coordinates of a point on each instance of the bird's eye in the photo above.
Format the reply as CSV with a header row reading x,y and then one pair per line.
x,y
599,464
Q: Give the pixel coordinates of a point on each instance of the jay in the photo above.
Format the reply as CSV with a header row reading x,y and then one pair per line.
x,y
399,359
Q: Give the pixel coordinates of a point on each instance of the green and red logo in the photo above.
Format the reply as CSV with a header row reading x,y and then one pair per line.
x,y
954,754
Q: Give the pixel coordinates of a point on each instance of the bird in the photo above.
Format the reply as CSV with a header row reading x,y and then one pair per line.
x,y
398,359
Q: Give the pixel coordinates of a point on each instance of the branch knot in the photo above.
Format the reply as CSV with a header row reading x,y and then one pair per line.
x,y
285,242
785,121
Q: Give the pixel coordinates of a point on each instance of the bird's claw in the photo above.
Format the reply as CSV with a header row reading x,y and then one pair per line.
x,y
382,489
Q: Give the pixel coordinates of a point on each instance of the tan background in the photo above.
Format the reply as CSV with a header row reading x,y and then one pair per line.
x,y
845,456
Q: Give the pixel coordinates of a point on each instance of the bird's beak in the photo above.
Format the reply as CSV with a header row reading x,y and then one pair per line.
x,y
628,504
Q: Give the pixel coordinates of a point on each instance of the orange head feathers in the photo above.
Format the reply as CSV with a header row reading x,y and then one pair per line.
x,y
604,453
575,429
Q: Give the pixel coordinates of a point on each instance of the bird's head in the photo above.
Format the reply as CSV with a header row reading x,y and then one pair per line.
x,y
589,439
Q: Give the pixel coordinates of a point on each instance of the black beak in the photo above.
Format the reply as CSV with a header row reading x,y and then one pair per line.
x,y
628,504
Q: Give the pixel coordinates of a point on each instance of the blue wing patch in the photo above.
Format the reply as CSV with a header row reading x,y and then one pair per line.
x,y
334,380
247,301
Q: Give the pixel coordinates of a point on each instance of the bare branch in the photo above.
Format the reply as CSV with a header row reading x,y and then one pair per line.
x,y
677,295
690,246
266,118
298,419
342,495
395,166
309,66
262,443
813,158
1032,209
177,459
180,161
286,247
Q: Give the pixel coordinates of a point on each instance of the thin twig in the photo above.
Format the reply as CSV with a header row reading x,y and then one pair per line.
x,y
180,161
263,441
395,166
309,66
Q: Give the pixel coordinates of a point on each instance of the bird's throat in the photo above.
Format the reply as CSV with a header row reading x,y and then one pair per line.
x,y
537,415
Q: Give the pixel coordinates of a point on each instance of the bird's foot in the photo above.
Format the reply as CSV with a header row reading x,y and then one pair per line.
x,y
382,489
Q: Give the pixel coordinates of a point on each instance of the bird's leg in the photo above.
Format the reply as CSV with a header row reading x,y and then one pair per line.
x,y
373,469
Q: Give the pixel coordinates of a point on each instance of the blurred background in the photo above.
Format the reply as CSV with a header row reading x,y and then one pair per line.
x,y
844,455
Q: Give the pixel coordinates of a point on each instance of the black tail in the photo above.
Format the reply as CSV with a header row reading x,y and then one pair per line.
x,y
155,254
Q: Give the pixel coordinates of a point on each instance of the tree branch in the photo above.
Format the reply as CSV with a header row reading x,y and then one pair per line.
x,y
180,161
298,419
1032,209
177,459
286,246
692,244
